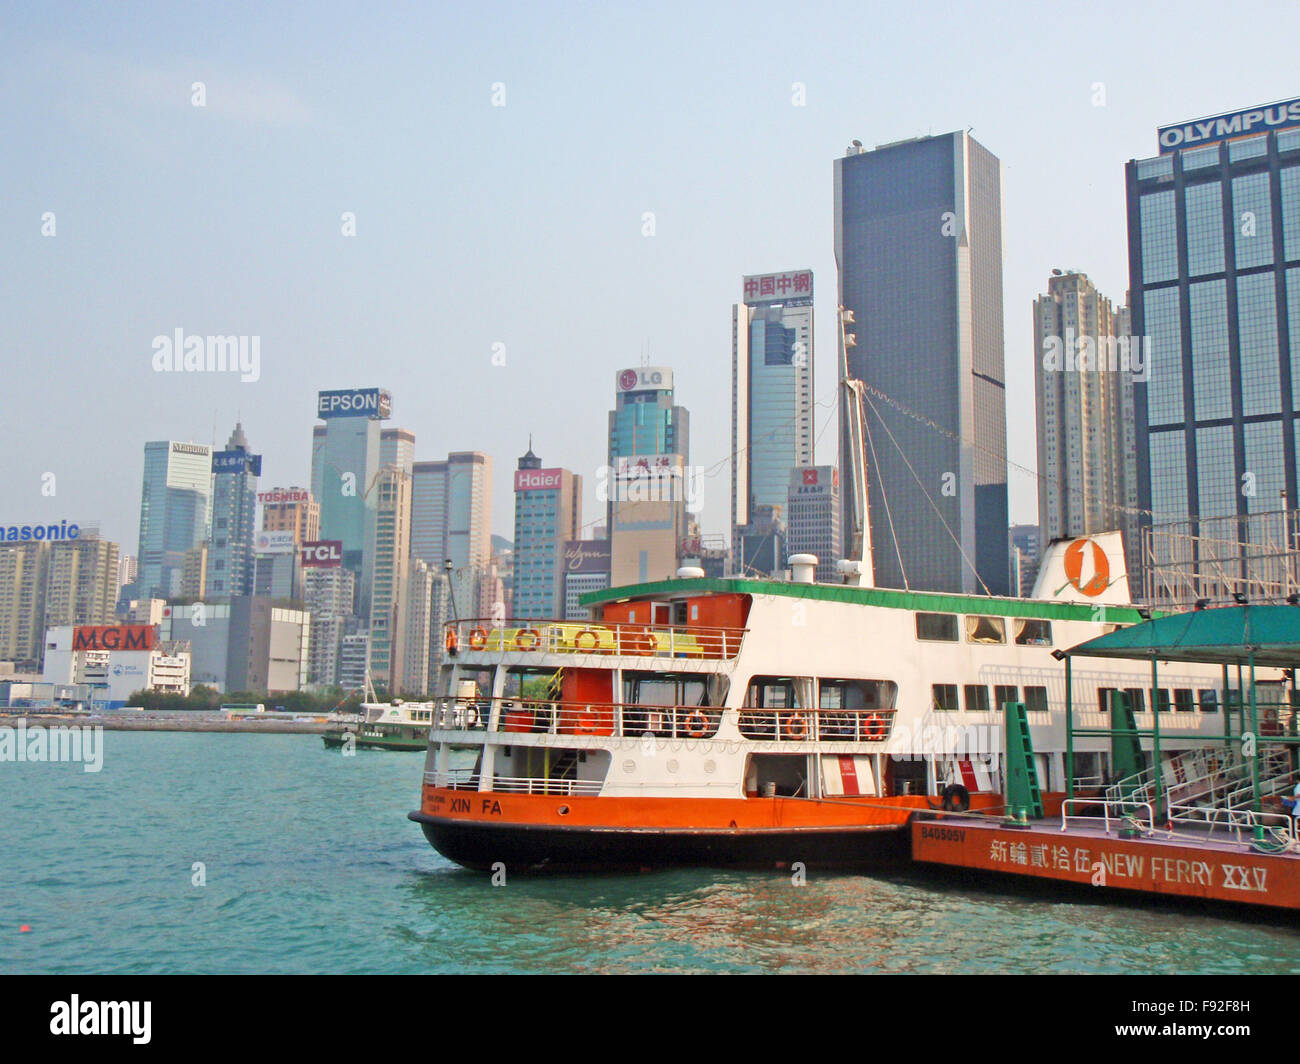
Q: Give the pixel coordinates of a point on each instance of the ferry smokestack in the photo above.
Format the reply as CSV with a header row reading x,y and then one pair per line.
x,y
802,568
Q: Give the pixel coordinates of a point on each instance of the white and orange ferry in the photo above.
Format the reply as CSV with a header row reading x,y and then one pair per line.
x,y
758,723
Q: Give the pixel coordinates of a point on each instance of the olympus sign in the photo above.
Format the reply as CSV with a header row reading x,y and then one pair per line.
x,y
1283,115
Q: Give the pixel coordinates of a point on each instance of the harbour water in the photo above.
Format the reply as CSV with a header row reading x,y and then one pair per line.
x,y
232,853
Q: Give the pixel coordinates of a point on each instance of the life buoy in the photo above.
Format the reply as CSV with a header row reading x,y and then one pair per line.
x,y
452,642
796,726
875,726
532,644
696,724
477,638
588,721
595,640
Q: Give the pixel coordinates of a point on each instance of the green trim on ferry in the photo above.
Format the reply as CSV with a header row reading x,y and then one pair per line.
x,y
917,601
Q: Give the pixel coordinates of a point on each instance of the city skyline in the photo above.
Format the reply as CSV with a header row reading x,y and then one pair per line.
x,y
155,243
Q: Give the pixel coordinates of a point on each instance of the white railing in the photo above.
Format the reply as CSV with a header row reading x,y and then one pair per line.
x,y
1123,810
1280,825
466,779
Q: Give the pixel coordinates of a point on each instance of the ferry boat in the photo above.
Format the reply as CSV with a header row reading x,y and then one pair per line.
x,y
385,726
758,722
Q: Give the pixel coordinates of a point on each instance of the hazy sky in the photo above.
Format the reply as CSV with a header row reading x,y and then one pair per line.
x,y
519,225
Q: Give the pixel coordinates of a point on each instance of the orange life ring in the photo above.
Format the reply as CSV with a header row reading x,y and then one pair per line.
x,y
533,645
588,721
696,724
452,642
796,726
477,638
875,726
595,639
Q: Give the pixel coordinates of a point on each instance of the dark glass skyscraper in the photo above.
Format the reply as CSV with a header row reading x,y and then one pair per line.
x,y
1214,267
918,241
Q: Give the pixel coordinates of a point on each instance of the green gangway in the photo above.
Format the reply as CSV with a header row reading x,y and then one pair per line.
x,y
1024,798
1127,762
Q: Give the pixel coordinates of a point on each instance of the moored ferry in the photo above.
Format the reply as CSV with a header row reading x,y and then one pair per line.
x,y
756,723
385,726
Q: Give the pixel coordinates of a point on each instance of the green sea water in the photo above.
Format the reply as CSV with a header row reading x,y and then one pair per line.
x,y
310,865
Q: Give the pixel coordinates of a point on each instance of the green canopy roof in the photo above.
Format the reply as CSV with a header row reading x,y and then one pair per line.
x,y
1224,636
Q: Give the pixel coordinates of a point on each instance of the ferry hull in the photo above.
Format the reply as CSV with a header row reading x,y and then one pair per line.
x,y
542,848
479,829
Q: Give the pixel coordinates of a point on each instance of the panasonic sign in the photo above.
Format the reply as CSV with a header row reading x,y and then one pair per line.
x,y
354,402
1282,115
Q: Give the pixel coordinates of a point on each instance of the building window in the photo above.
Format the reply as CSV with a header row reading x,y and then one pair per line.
x,y
937,627
945,697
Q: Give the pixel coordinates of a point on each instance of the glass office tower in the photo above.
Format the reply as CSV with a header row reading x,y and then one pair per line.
x,y
174,500
1214,267
918,241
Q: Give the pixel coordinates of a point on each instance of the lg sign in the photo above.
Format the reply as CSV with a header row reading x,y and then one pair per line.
x,y
322,553
630,380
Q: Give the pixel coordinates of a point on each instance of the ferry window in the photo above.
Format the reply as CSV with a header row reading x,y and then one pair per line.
x,y
1209,700
945,697
1137,699
1004,693
1184,700
1032,632
977,698
542,685
937,627
1036,699
772,692
664,689
1160,699
985,629
856,694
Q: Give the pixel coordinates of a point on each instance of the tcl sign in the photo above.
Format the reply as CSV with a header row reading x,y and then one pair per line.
x,y
537,479
322,553
113,637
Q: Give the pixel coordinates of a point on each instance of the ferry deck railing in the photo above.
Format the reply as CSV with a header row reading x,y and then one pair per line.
x,y
1110,809
1280,825
467,779
484,635
638,720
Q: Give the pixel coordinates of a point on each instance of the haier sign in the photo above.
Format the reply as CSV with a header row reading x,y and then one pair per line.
x,y
537,479
354,402
1283,115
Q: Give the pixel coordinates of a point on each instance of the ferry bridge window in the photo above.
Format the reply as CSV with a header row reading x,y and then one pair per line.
x,y
1209,700
937,627
1036,699
1184,700
772,692
977,698
985,629
666,689
1004,693
1032,632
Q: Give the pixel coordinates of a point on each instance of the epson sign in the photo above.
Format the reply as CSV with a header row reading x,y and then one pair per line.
x,y
1257,120
354,402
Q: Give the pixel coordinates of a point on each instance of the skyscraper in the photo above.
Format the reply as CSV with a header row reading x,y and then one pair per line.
x,y
451,520
345,462
290,510
813,515
23,575
918,241
397,448
771,405
646,480
1214,273
174,504
390,547
1087,458
234,512
81,583
548,511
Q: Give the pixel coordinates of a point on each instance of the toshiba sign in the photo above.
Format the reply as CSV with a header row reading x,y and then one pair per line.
x,y
537,479
113,637
322,553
